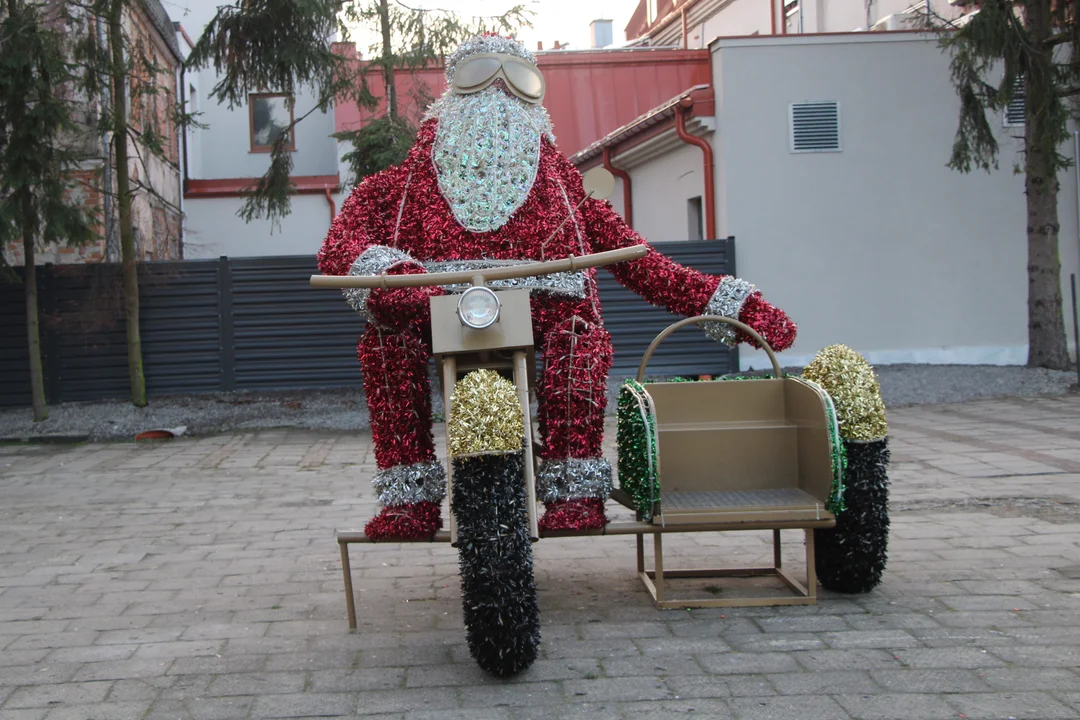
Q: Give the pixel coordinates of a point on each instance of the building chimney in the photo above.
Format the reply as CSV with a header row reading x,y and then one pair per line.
x,y
600,33
540,45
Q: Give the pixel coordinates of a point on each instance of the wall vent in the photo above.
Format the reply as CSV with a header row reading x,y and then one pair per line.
x,y
1016,109
815,127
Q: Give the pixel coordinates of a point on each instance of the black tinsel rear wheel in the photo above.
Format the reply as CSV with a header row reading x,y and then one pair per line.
x,y
851,557
498,594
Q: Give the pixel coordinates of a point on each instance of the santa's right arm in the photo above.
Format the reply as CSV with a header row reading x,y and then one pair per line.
x,y
350,248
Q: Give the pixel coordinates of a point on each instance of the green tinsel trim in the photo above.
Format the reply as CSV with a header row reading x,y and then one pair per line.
x,y
638,452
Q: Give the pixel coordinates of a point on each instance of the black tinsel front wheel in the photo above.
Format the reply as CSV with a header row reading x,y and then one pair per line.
x,y
850,558
498,594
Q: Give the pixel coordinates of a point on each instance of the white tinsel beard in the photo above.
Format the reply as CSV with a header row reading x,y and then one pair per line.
x,y
486,154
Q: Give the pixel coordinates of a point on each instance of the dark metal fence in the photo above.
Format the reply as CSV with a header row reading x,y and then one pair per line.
x,y
255,324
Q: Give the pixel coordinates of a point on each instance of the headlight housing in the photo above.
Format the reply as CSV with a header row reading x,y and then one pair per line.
x,y
479,308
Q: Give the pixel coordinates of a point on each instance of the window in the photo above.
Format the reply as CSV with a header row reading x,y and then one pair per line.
x,y
1016,110
270,114
695,229
815,127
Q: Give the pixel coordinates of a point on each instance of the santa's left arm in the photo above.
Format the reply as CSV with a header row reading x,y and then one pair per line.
x,y
684,291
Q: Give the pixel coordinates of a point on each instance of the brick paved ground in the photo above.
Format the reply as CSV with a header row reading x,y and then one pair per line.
x,y
200,579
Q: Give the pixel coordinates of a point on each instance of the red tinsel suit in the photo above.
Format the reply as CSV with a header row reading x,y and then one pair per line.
x,y
484,181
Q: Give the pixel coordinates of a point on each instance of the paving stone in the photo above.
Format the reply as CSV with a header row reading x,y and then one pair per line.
x,y
957,657
941,680
889,706
218,665
805,624
1019,705
617,689
240,592
1022,678
376,702
96,711
305,705
1044,656
23,714
857,659
787,708
360,679
827,682
681,646
256,684
122,669
677,708
777,642
44,696
747,663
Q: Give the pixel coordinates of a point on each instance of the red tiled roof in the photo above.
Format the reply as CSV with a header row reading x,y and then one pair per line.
x,y
700,97
589,93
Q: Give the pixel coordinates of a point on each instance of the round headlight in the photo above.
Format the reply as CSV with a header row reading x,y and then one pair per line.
x,y
478,308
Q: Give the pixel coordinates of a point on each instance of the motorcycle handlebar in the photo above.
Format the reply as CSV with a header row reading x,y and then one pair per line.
x,y
508,272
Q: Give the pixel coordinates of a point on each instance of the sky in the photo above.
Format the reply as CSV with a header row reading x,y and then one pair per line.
x,y
554,20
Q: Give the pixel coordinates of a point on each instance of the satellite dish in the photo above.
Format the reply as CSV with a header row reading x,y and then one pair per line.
x,y
599,183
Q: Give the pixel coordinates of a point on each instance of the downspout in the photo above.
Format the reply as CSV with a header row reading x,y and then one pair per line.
x,y
706,150
183,155
685,37
333,206
627,198
772,14
112,253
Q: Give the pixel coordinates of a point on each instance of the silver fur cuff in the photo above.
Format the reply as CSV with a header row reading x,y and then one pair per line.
x,y
727,301
407,484
376,260
573,478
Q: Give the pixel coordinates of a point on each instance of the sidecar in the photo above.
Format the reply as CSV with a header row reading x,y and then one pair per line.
x,y
752,454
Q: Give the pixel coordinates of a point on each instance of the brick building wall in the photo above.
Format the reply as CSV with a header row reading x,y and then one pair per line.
x,y
155,214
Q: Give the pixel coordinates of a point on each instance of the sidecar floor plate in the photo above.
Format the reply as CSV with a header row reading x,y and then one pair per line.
x,y
735,506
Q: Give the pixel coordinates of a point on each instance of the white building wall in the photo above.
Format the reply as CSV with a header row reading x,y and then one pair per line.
x,y
660,189
214,229
225,145
880,246
741,17
223,151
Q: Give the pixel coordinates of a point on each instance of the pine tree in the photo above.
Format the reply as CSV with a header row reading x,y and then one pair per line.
x,y
122,80
37,127
1029,49
285,45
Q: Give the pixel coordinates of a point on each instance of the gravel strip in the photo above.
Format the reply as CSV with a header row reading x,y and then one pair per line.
x,y
345,409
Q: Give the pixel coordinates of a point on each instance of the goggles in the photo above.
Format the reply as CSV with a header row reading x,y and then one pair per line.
x,y
477,72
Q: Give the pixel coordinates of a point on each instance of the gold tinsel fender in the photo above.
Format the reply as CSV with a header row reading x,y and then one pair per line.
x,y
485,416
853,387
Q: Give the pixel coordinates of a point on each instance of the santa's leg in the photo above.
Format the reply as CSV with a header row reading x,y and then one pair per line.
x,y
574,480
410,483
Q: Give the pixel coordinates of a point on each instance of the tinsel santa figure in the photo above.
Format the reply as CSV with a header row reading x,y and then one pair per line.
x,y
484,183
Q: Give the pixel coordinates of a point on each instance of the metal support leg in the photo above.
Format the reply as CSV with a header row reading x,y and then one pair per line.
x,y
777,552
640,553
521,380
658,559
346,570
811,567
449,380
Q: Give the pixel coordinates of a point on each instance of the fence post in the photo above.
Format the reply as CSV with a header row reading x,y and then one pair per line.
x,y
50,337
226,334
